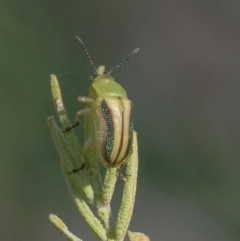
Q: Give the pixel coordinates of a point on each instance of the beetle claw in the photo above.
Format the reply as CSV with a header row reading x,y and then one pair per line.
x,y
75,170
67,129
121,176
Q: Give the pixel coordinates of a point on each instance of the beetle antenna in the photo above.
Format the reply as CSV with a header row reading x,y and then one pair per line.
x,y
124,61
87,54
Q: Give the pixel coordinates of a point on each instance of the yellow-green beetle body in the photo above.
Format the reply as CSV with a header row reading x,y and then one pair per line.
x,y
111,118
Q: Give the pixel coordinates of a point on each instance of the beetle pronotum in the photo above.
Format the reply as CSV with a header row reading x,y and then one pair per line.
x,y
111,117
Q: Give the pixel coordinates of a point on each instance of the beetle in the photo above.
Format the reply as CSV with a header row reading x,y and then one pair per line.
x,y
110,117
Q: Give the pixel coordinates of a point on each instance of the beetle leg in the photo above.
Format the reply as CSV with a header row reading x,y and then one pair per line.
x,y
120,175
85,99
75,170
84,111
86,145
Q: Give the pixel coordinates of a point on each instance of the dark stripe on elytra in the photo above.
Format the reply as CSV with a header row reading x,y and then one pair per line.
x,y
130,135
109,140
120,146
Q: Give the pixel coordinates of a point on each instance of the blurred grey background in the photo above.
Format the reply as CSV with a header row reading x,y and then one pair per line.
x,y
184,83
